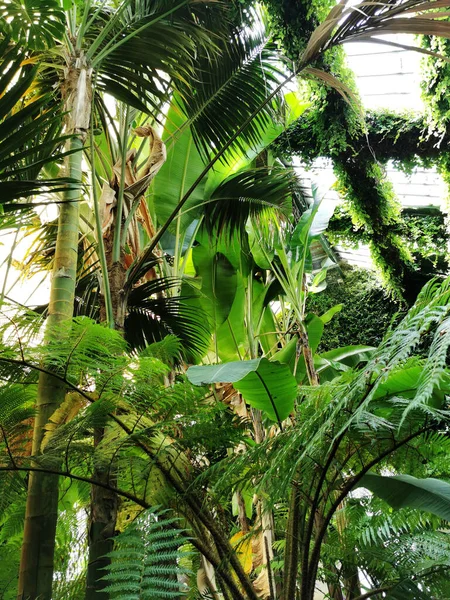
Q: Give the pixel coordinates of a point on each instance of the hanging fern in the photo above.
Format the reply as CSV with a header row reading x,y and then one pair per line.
x,y
146,562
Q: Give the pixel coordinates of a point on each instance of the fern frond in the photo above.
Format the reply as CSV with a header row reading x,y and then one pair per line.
x,y
145,563
167,350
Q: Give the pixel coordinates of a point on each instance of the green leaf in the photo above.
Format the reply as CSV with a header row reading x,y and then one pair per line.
x,y
327,316
147,559
400,382
314,328
218,283
286,355
249,193
331,364
312,223
178,173
319,278
224,373
349,355
232,338
268,386
39,23
225,91
401,491
294,108
406,381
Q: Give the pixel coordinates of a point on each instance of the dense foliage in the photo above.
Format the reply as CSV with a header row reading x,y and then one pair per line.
x,y
185,418
367,312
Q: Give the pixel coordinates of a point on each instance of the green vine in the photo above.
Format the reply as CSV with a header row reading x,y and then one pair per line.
x,y
373,213
423,231
333,129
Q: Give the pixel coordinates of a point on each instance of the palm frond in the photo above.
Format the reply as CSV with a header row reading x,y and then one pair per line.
x,y
146,48
366,20
250,193
35,24
153,314
227,89
30,131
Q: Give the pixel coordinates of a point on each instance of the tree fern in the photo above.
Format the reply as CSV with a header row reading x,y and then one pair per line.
x,y
146,562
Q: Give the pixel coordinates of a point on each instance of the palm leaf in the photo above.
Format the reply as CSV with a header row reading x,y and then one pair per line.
x,y
227,89
153,314
144,48
30,131
250,193
35,23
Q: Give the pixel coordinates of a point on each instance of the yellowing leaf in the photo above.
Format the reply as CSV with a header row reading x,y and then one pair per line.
x,y
242,542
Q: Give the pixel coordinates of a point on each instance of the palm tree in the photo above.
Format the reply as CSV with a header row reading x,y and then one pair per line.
x,y
94,49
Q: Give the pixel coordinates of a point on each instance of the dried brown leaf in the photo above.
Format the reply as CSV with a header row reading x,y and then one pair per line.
x,y
262,585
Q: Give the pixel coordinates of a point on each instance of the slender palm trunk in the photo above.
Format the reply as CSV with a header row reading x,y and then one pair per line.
x,y
36,565
104,503
102,523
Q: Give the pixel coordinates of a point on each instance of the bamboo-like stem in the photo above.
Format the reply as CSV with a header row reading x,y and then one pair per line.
x,y
37,558
8,267
36,565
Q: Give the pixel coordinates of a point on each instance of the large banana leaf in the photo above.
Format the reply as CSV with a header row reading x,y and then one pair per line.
x,y
312,223
232,335
268,386
217,284
350,356
401,491
182,167
331,364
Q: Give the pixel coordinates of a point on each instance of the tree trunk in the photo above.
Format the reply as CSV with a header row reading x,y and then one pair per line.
x,y
102,523
105,503
36,564
292,550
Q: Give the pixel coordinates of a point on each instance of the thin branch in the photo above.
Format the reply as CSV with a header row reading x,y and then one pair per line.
x,y
70,475
375,592
8,449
